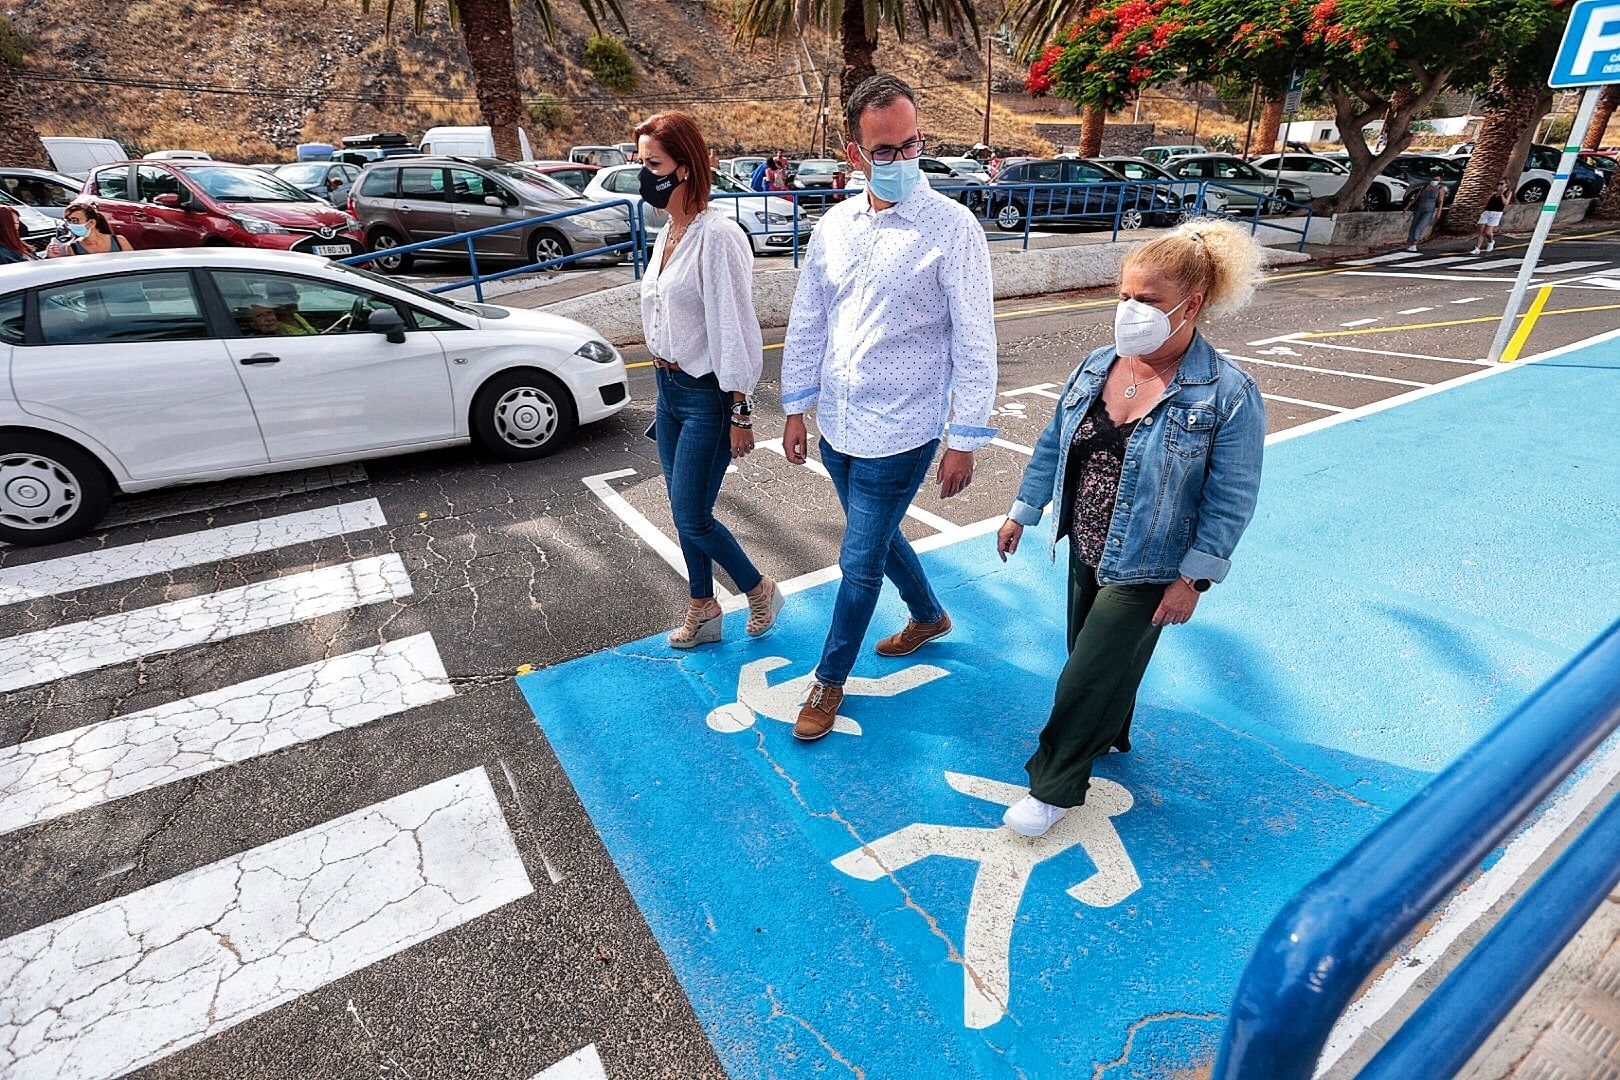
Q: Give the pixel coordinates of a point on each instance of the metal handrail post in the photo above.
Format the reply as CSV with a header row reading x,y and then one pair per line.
x,y
472,267
1029,214
795,226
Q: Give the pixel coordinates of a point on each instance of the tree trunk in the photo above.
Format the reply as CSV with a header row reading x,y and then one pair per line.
x,y
19,139
1092,118
1353,110
859,46
486,28
1606,104
1608,206
1500,131
1271,115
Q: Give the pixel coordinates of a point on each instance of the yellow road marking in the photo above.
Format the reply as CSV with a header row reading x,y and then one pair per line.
x,y
1449,322
1526,324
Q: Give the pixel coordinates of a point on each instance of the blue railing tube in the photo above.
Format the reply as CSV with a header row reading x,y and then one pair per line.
x,y
1339,928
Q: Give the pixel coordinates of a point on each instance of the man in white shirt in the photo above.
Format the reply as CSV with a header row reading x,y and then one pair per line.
x,y
892,341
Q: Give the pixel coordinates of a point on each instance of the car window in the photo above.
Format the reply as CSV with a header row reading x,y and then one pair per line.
x,y
151,181
1195,169
11,319
349,172
306,174
278,305
1235,170
1543,157
1081,172
158,306
1043,172
928,165
380,183
1134,170
422,185
112,183
624,182
245,185
467,186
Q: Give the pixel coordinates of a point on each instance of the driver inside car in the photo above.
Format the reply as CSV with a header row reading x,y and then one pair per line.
x,y
283,298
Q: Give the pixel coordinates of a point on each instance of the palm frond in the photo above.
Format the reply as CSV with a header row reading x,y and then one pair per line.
x,y
1036,22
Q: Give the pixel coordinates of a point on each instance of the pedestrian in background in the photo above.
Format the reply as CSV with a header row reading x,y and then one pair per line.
x,y
1426,203
892,333
1490,218
13,248
1153,458
92,233
697,316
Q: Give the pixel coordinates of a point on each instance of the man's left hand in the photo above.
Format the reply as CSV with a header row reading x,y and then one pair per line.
x,y
955,472
1177,606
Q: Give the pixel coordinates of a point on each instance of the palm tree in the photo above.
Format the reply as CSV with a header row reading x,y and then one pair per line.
x,y
1512,112
1607,101
486,30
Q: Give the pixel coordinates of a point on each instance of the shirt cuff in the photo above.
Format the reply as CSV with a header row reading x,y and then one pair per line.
x,y
1024,514
963,437
1201,564
800,401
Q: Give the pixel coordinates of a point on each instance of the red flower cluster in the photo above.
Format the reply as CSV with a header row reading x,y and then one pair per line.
x,y
1039,80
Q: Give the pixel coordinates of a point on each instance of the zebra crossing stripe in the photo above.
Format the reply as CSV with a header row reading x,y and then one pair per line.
x,y
105,566
71,771
73,648
102,992
583,1064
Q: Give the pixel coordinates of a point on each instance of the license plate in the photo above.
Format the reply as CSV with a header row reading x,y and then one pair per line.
x,y
333,249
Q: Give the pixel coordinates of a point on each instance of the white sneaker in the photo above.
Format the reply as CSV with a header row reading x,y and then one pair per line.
x,y
1490,246
1474,252
1413,247
1031,817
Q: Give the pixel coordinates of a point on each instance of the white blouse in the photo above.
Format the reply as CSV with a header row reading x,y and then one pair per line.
x,y
698,312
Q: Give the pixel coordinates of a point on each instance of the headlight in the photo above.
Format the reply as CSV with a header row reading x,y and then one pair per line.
x,y
765,218
350,222
599,351
596,225
259,226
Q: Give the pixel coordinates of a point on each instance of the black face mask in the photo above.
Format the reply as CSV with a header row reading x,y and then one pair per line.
x,y
658,190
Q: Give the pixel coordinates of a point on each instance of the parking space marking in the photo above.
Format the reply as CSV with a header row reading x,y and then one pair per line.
x,y
73,770
1315,344
1444,260
1569,267
1039,389
1358,322
168,503
1305,404
74,648
1020,448
1468,300
1327,371
1414,311
108,565
583,1064
1495,264
1423,277
649,534
202,952
1394,256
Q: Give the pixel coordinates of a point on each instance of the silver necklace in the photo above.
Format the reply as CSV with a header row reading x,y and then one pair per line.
x,y
1130,391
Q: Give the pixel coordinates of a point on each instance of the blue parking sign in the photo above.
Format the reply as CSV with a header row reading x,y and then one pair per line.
x,y
1589,55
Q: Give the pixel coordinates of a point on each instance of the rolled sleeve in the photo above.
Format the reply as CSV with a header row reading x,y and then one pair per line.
x,y
1231,487
805,345
735,342
968,291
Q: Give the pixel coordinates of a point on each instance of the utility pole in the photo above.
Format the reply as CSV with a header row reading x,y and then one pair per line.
x,y
1198,110
989,54
1248,134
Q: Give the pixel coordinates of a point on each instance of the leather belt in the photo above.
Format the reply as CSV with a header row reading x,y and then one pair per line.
x,y
665,365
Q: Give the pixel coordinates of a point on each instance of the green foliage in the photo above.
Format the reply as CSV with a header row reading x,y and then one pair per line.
x,y
1558,130
550,114
610,62
14,44
1223,143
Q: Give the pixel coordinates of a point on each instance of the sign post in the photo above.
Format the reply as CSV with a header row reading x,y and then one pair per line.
x,y
1589,57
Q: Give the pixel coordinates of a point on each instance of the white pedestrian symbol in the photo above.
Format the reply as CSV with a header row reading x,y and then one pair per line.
x,y
1006,861
781,702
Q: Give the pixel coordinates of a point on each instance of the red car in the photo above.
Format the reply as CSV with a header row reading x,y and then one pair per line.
x,y
187,203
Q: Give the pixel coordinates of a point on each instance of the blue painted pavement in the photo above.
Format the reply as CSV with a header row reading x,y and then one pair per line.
x,y
1410,575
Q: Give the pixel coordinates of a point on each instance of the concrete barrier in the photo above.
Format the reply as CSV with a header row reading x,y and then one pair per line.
x,y
1370,230
616,313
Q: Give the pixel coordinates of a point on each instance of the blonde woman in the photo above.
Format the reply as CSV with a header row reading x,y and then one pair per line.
x,y
697,314
1153,460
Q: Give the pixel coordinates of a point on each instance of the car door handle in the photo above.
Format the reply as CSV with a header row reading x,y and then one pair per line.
x,y
261,358
463,213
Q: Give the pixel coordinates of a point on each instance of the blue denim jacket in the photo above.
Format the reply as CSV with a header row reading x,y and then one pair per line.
x,y
1191,472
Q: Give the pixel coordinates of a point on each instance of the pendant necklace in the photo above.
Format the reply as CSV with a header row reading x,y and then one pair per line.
x,y
1130,391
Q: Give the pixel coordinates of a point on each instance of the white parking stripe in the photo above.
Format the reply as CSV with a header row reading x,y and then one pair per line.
x,y
1568,267
108,565
73,648
1394,256
1314,344
1494,264
1357,322
1468,300
1414,311
1306,404
60,774
1444,260
123,984
1020,448
583,1064
1424,277
646,531
173,502
1326,371
1036,389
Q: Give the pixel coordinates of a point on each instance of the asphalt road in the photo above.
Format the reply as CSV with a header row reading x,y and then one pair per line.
x,y
512,942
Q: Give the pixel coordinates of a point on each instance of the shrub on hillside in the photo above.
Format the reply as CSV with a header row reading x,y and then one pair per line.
x,y
14,45
611,63
550,114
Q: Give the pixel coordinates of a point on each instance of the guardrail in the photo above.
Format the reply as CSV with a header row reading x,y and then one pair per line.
x,y
1342,926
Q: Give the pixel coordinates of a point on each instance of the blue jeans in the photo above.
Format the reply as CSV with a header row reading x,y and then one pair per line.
x,y
693,428
874,493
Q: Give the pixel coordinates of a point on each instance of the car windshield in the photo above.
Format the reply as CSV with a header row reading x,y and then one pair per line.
x,y
303,174
726,183
395,283
1444,169
245,185
817,168
517,174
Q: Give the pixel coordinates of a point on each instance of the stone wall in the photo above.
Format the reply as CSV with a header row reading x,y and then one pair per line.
x,y
1117,138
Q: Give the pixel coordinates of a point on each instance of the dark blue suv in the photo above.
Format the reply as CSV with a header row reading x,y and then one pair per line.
x,y
1071,191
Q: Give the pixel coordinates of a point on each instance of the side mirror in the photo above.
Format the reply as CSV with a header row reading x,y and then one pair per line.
x,y
495,200
389,323
169,199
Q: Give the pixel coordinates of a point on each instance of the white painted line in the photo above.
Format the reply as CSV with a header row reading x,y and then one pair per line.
x,y
582,1064
1306,404
1326,371
1020,448
1569,267
1357,322
1446,260
108,565
1421,277
1468,300
1314,344
173,502
1036,389
1602,282
1467,907
646,531
64,773
74,648
126,983
914,512
1394,256
1495,264
1414,311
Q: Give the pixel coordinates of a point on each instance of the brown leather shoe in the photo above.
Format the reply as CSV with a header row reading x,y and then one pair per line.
x,y
819,712
913,637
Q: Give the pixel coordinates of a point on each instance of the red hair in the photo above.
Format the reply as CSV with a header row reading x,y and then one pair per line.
x,y
11,233
681,139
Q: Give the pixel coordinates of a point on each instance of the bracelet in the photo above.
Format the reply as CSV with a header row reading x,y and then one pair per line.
x,y
741,408
746,425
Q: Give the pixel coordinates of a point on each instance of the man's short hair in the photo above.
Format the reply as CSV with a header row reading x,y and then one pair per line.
x,y
877,92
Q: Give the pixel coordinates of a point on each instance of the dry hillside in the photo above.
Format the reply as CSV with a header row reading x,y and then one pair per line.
x,y
262,75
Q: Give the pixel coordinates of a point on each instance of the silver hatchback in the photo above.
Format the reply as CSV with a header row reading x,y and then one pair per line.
x,y
410,200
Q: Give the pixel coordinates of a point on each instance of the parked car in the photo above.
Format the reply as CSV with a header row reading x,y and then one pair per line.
x,y
1414,170
166,204
570,174
969,169
1244,186
1185,193
814,174
37,227
628,149
1080,193
315,178
767,219
46,191
409,200
150,369
602,156
77,156
178,155
941,175
1462,149
1321,176
362,150
741,169
1585,181
1158,155
472,142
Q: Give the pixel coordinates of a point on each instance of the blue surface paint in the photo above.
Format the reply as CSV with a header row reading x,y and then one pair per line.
x,y
1398,592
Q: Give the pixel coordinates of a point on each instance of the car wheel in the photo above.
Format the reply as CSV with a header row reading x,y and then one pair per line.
x,y
1130,218
50,489
522,415
1576,189
383,240
548,244
1533,192
1010,217
1376,199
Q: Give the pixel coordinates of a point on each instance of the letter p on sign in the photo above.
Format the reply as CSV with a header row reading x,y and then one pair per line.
x,y
1589,55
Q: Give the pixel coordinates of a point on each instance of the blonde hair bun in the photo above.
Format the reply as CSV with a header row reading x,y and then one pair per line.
x,y
1221,260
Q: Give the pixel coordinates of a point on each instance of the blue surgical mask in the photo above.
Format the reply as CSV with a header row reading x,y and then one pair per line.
x,y
78,230
893,182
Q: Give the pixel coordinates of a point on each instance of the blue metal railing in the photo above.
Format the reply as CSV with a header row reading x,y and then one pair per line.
x,y
1342,926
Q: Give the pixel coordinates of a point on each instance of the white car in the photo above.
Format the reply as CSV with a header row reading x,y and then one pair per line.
x,y
178,155
767,219
140,370
1322,176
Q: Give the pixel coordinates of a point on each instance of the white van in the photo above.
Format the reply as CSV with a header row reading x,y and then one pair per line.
x,y
76,157
178,155
468,142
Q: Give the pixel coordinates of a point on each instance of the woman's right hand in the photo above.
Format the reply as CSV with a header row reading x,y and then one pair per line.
x,y
1007,538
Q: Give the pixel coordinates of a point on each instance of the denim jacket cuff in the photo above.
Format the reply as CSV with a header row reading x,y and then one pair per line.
x,y
1201,564
1025,514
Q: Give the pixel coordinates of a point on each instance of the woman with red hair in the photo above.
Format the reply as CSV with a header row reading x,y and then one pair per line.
x,y
697,314
13,248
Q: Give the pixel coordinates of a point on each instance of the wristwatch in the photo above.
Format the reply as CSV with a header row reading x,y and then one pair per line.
x,y
742,414
1198,584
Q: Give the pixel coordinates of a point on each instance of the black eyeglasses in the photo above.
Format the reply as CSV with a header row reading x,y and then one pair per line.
x,y
888,155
